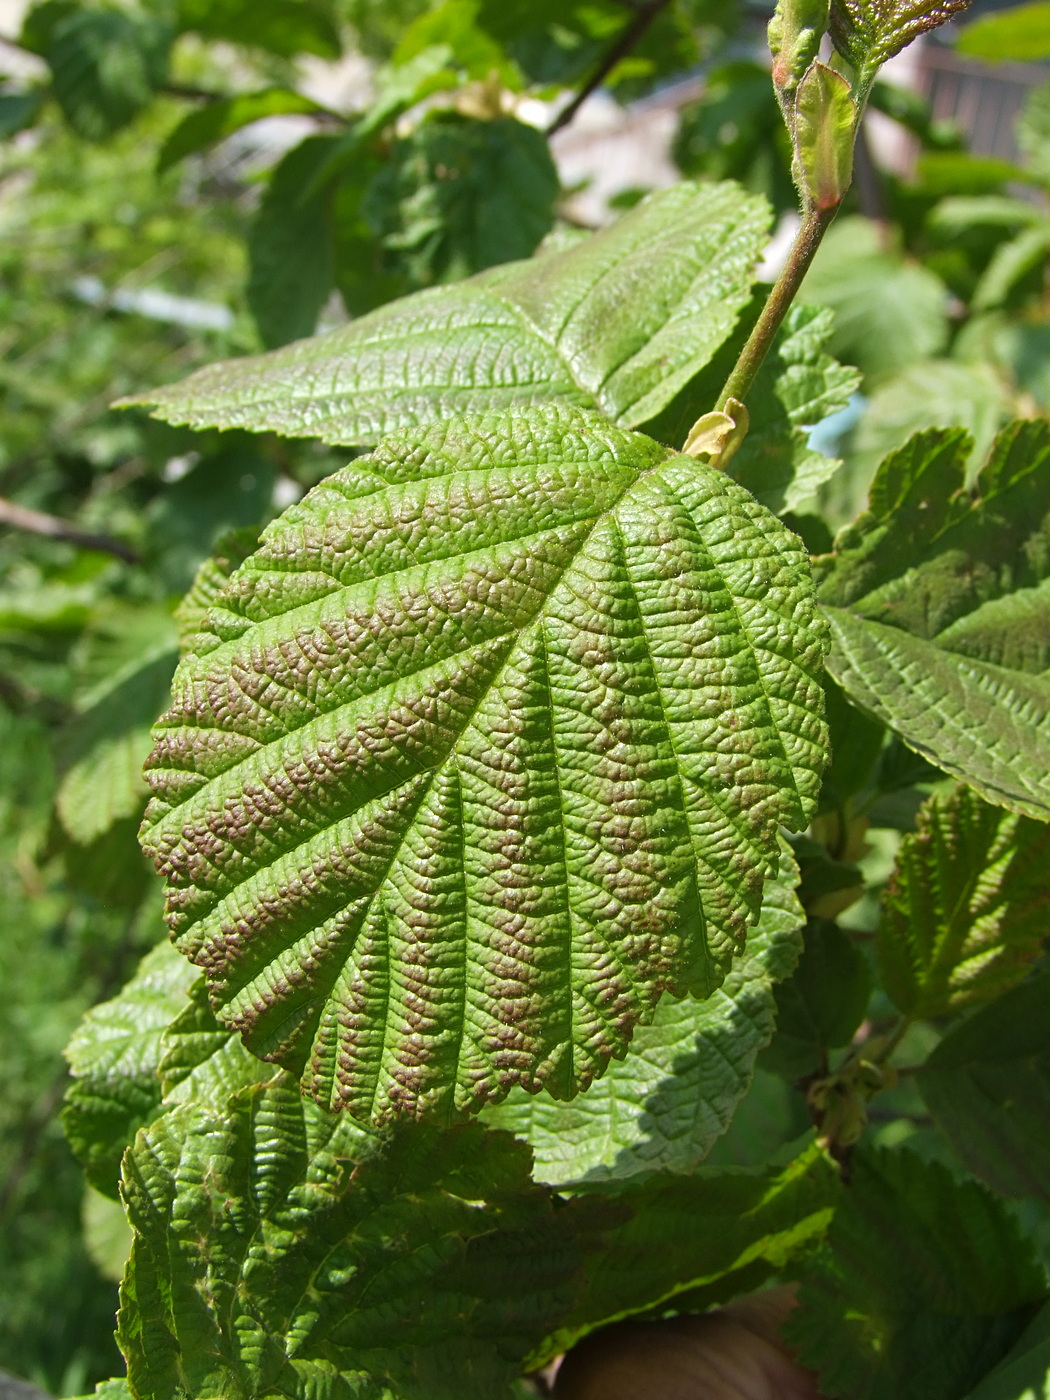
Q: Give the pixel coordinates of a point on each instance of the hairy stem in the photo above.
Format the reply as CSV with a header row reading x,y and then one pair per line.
x,y
815,223
631,35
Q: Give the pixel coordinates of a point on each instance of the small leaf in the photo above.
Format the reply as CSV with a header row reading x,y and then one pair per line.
x,y
290,246
19,110
868,32
825,117
795,32
965,909
983,724
214,121
987,1085
621,321
1020,34
457,656
924,1283
1011,262
664,1106
106,746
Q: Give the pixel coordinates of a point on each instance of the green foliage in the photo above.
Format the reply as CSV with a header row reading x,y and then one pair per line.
x,y
987,1086
820,1007
1020,33
924,1284
620,321
540,540
965,909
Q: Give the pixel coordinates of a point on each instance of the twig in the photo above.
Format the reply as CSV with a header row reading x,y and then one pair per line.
x,y
643,18
37,522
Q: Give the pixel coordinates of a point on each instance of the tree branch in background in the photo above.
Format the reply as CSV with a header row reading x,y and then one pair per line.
x,y
39,523
632,34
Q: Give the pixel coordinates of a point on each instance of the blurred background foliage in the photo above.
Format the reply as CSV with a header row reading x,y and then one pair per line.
x,y
182,180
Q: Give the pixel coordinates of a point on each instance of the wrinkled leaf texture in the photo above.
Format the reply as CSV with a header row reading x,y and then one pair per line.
x,y
663,1107
484,750
939,602
619,322
965,910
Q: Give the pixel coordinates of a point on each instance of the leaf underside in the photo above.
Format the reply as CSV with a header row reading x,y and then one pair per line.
x,y
484,750
618,322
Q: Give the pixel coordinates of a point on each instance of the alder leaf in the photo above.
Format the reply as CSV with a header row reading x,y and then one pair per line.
x,y
961,575
488,750
619,321
987,1085
964,912
924,1283
272,1242
664,1105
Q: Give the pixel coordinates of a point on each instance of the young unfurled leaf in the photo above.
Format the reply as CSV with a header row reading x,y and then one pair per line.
x,y
987,1085
273,1241
795,32
620,321
923,1285
965,909
825,117
663,1106
868,32
948,590
488,751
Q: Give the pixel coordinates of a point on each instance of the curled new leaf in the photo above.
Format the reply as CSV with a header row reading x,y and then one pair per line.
x,y
868,32
825,115
486,751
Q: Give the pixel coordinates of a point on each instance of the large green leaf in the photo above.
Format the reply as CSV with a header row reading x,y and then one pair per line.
x,y
965,910
107,744
987,1085
272,1241
487,750
620,321
666,1103
925,1283
983,724
948,588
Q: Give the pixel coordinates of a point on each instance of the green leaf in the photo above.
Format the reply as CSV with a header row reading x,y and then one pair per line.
x,y
282,27
987,1085
19,110
820,1007
460,655
798,386
111,1390
213,122
663,1106
459,195
1033,127
114,1056
290,246
107,1234
1011,262
984,724
1020,34
931,394
687,1233
231,550
106,65
889,313
868,32
1024,1373
925,1282
153,1045
621,321
964,912
825,115
107,745
966,570
272,1239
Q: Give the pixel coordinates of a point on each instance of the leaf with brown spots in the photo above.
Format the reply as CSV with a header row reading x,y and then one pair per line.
x,y
480,753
